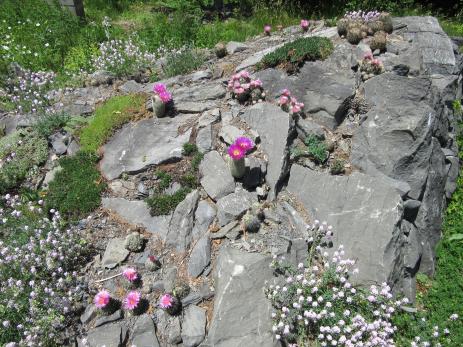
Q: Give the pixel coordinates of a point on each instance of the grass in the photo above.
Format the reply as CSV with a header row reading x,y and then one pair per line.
x,y
75,190
109,117
298,51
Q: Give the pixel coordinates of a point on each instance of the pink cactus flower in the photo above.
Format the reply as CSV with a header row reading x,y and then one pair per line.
x,y
159,88
285,92
296,109
246,86
130,274
102,299
239,90
244,143
283,100
166,301
132,300
267,29
244,74
236,152
305,24
368,56
256,83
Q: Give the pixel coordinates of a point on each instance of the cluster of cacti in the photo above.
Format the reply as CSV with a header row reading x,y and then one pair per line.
x,y
356,26
369,66
243,88
161,101
252,219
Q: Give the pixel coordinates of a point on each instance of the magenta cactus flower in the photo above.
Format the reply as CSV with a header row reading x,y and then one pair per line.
x,y
236,152
161,90
283,100
102,299
267,29
130,274
286,92
166,301
132,300
305,24
245,143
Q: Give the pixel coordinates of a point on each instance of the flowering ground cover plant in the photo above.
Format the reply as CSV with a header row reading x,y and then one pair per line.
x,y
289,103
39,284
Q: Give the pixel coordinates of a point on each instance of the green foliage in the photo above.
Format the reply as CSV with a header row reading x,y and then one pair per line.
x,y
183,61
189,180
337,167
75,190
47,123
456,105
189,149
298,51
196,161
162,204
316,149
164,180
110,116
19,153
80,58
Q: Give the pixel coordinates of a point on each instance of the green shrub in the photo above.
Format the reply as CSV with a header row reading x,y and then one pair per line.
x,y
189,180
110,116
189,149
47,123
298,51
80,58
337,167
316,149
164,180
196,161
19,153
183,61
75,190
162,204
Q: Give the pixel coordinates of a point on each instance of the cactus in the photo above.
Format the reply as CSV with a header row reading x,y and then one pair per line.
x,y
378,41
342,26
220,50
181,290
237,167
354,35
152,263
159,107
386,18
375,26
133,242
251,223
170,303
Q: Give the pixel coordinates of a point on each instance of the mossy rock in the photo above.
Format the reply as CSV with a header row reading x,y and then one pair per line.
x,y
24,150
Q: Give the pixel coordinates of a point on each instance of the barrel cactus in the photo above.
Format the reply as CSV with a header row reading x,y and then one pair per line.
x,y
354,35
342,26
378,41
386,18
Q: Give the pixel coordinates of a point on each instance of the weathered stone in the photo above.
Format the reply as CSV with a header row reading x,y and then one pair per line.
x,y
366,214
237,275
233,47
174,331
101,77
229,133
200,257
209,118
131,87
194,326
275,128
204,215
256,170
145,143
199,93
201,75
137,213
194,107
204,139
114,254
216,179
59,143
109,319
306,127
50,176
411,208
144,333
181,224
233,206
107,335
91,311
224,230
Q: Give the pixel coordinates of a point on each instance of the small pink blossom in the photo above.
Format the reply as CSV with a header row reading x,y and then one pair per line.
x,y
132,300
305,24
267,29
286,92
159,88
166,301
244,143
283,100
130,274
236,152
102,298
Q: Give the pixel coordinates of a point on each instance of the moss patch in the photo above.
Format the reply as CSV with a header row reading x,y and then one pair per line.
x,y
110,116
19,153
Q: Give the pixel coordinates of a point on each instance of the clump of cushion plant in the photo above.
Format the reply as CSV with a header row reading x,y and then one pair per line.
x,y
289,103
316,148
237,151
293,54
369,66
20,152
189,149
161,100
114,113
75,190
163,204
378,41
170,303
337,167
152,263
243,88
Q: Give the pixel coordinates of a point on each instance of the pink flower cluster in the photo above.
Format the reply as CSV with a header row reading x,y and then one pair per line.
x,y
289,103
241,85
160,90
130,274
305,24
102,299
132,300
369,57
240,147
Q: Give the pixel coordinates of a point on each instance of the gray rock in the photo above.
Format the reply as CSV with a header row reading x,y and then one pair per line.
x,y
255,58
233,206
101,77
107,335
137,213
229,133
233,47
144,333
200,257
59,143
91,311
174,331
296,220
114,254
73,148
194,106
306,127
194,326
256,170
181,224
50,176
170,276
173,188
131,87
204,139
411,208
204,215
241,275
216,179
209,118
145,143
133,242
275,128
201,75
224,230
199,93
357,205
109,319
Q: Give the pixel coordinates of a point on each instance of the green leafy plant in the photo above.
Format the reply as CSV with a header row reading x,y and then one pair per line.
x,y
298,51
47,123
189,149
337,167
20,152
183,61
316,149
110,116
164,180
162,204
189,180
75,190
196,161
